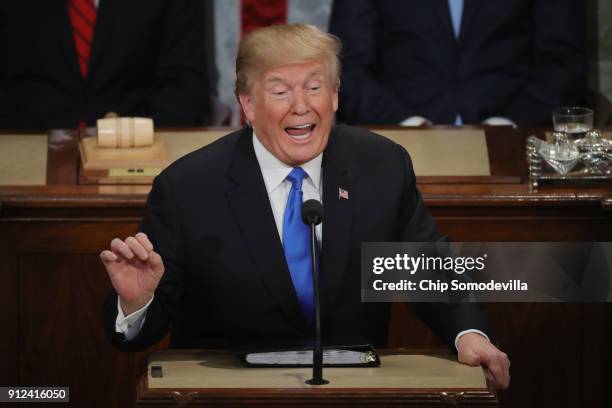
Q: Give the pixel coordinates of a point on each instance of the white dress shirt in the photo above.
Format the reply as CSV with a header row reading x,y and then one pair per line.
x,y
275,174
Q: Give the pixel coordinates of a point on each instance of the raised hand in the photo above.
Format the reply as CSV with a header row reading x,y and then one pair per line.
x,y
135,270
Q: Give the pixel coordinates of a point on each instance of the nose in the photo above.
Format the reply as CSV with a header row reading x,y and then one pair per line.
x,y
301,105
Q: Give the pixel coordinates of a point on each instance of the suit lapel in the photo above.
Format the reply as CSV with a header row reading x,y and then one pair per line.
x,y
248,198
337,226
105,21
443,12
58,12
470,7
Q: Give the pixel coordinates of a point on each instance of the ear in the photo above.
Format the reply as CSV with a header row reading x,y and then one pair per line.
x,y
335,98
248,107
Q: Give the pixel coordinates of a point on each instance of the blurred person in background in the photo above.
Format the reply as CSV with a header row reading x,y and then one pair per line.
x,y
68,63
459,61
234,19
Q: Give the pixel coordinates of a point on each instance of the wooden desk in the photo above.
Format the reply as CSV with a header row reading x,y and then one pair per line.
x,y
52,282
404,379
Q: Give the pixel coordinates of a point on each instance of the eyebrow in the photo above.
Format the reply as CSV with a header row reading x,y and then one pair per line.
x,y
282,80
274,79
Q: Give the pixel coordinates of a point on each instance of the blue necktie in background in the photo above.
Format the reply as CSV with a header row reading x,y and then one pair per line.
x,y
296,240
456,13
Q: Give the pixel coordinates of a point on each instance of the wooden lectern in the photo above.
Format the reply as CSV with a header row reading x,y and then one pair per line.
x,y
406,379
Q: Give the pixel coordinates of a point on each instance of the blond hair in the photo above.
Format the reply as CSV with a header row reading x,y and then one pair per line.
x,y
277,45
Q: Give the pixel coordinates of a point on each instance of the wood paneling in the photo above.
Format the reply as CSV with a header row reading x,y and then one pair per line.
x,y
9,339
55,313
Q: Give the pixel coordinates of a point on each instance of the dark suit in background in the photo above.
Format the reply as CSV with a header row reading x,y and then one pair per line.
x,y
147,59
209,217
517,59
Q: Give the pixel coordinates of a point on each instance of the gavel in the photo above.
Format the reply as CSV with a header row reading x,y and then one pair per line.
x,y
125,132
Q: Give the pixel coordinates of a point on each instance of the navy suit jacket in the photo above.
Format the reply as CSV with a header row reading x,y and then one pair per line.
x,y
209,216
147,59
518,59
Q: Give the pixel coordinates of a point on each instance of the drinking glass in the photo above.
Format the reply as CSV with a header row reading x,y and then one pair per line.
x,y
574,121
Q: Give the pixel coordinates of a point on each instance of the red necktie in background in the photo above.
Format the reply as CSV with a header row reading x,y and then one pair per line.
x,y
83,19
261,13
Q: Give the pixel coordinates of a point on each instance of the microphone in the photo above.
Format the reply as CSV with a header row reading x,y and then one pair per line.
x,y
312,214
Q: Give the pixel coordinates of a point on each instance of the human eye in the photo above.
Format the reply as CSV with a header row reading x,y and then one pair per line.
x,y
278,91
313,87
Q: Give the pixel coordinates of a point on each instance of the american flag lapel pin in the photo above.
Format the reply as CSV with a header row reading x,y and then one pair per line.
x,y
342,194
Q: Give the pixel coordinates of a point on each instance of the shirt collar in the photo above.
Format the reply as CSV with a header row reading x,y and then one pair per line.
x,y
275,171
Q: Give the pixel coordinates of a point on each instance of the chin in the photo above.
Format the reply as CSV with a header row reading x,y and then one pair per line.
x,y
299,159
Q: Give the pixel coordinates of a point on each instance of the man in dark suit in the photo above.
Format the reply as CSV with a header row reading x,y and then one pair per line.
x,y
222,254
73,61
459,61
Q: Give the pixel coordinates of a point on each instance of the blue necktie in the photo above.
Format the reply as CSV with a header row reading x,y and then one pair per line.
x,y
296,240
456,12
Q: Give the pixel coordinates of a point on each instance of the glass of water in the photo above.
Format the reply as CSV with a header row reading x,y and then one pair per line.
x,y
574,121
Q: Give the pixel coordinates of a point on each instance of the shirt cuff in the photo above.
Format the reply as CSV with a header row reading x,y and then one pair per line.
x,y
469,331
415,121
498,121
130,325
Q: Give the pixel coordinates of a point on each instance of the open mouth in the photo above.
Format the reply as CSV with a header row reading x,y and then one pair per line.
x,y
300,132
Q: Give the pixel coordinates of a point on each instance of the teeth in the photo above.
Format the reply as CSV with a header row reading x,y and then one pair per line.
x,y
302,126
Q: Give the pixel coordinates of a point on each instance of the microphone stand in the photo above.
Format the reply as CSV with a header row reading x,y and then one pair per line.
x,y
317,356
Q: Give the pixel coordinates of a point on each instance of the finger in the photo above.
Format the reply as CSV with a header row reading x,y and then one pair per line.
x,y
506,382
504,370
137,248
489,377
499,373
107,256
503,380
144,241
156,262
121,248
492,376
